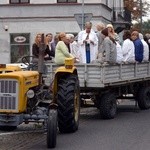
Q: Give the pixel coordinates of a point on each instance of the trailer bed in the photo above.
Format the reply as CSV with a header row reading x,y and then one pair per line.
x,y
100,76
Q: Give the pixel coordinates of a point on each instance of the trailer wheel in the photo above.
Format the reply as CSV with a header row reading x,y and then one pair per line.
x,y
52,128
143,98
68,99
8,128
108,106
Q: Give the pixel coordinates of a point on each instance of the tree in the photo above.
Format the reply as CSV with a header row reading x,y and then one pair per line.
x,y
136,9
145,27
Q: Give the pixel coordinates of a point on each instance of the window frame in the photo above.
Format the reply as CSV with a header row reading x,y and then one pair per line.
x,y
14,46
19,2
67,1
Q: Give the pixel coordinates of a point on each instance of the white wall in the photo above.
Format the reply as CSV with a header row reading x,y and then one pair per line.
x,y
90,1
42,1
33,28
54,1
4,1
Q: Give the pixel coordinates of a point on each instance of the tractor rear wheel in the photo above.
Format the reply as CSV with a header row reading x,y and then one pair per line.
x,y
68,99
143,98
52,128
8,128
108,106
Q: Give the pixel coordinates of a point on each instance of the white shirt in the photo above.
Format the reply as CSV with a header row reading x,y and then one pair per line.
x,y
128,51
74,48
146,50
119,53
93,47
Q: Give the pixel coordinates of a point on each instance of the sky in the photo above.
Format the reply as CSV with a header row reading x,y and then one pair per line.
x,y
148,16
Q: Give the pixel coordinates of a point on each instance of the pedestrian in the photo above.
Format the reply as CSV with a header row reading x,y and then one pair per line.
x,y
100,26
36,47
62,51
74,48
147,40
138,46
49,38
88,44
112,32
145,48
108,47
128,48
54,43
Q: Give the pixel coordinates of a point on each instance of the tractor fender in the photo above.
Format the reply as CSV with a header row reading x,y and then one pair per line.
x,y
61,72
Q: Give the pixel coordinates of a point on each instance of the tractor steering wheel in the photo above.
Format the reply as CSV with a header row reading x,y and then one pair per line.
x,y
27,60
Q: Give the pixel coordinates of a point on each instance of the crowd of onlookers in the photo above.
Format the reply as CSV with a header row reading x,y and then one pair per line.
x,y
102,46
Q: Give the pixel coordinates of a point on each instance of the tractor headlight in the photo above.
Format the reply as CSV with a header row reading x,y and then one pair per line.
x,y
30,94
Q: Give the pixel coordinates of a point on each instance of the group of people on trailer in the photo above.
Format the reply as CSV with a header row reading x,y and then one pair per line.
x,y
103,46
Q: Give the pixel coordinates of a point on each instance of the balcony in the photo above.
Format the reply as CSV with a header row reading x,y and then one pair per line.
x,y
121,19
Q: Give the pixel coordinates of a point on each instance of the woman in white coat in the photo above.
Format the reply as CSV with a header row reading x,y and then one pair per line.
x,y
88,44
128,48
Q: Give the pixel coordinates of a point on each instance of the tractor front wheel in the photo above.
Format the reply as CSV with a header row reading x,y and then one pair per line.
x,y
68,99
52,128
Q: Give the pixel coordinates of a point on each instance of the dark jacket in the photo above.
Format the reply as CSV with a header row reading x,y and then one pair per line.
x,y
35,51
138,50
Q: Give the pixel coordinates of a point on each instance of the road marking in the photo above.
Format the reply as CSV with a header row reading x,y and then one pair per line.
x,y
18,132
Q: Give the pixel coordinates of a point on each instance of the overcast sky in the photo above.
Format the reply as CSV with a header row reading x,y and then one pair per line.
x,y
148,17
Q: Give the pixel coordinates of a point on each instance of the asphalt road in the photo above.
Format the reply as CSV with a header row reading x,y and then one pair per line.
x,y
128,131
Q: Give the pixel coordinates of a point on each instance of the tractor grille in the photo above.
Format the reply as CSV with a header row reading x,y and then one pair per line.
x,y
8,94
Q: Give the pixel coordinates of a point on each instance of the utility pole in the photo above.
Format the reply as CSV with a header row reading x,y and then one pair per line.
x,y
141,13
82,14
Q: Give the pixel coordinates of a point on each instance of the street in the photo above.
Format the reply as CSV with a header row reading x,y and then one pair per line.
x,y
128,131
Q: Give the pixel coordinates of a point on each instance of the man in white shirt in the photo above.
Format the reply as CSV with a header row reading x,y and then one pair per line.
x,y
128,48
146,48
88,44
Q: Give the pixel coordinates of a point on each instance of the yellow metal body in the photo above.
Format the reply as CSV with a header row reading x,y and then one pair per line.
x,y
69,68
9,68
29,79
25,80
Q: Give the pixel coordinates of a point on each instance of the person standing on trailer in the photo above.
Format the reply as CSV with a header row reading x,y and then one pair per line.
x,y
88,44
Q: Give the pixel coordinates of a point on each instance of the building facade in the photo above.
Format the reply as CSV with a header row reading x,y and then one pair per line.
x,y
21,20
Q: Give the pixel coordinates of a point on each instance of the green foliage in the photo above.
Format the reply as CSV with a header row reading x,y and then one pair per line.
x,y
137,8
145,27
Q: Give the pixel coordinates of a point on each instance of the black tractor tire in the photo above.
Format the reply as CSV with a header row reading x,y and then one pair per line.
x,y
68,99
52,128
108,106
8,128
143,98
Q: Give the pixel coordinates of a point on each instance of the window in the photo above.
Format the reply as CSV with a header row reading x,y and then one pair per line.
x,y
19,46
66,1
19,1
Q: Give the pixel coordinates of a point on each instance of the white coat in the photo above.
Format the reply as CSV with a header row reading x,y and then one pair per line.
x,y
119,53
146,50
93,47
128,51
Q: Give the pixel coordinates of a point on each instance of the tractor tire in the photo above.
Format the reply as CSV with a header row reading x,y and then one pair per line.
x,y
68,99
52,128
143,98
108,106
8,128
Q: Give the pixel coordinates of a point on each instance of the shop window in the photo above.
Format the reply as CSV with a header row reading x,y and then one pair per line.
x,y
19,46
66,1
19,1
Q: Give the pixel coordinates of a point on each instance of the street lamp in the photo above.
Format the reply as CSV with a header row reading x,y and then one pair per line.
x,y
82,14
141,21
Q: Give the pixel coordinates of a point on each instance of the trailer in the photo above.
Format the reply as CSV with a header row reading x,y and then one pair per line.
x,y
105,84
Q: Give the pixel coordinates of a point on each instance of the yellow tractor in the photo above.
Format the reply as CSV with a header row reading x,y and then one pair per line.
x,y
8,68
25,98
